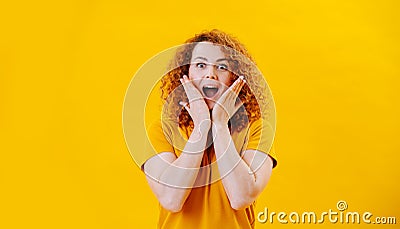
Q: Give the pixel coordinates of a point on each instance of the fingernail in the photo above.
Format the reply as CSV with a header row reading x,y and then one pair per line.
x,y
241,77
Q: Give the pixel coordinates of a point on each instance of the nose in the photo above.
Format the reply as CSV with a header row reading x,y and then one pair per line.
x,y
211,72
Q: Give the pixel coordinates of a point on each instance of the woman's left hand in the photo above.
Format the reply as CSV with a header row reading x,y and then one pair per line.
x,y
227,104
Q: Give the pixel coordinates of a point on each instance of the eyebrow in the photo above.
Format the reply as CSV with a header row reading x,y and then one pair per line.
x,y
205,59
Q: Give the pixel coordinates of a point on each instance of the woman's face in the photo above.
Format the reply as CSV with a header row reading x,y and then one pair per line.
x,y
209,70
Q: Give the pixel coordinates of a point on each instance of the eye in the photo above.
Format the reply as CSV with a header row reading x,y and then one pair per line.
x,y
201,65
222,67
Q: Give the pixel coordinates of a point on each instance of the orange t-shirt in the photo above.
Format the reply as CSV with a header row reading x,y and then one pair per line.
x,y
208,206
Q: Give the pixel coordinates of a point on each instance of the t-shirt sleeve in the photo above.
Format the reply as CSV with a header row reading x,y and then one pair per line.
x,y
158,141
261,136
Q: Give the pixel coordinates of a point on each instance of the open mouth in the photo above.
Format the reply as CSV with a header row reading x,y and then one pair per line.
x,y
210,91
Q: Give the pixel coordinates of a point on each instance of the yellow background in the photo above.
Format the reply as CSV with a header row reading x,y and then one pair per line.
x,y
333,67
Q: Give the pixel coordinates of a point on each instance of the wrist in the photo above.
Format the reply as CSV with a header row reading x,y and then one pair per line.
x,y
203,126
219,126
219,123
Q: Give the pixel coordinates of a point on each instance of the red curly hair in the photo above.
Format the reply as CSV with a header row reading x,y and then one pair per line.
x,y
241,64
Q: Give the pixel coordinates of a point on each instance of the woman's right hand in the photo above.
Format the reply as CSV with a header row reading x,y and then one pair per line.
x,y
196,107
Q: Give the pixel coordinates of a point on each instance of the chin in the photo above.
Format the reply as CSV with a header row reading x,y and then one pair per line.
x,y
210,104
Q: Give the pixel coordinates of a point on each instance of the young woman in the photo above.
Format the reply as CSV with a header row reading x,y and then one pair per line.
x,y
212,156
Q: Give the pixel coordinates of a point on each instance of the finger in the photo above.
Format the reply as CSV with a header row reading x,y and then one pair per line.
x,y
185,105
235,88
232,90
239,83
228,95
238,104
187,81
186,86
191,91
189,84
186,78
184,83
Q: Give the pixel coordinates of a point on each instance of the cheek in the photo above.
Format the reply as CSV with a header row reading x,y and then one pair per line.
x,y
192,74
194,77
226,79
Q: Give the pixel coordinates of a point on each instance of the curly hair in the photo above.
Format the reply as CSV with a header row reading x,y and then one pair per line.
x,y
241,64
